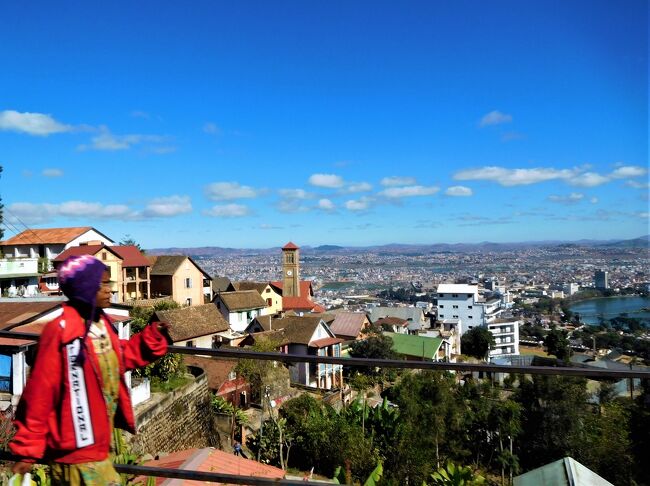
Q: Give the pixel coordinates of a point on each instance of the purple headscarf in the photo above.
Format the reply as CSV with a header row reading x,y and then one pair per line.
x,y
80,278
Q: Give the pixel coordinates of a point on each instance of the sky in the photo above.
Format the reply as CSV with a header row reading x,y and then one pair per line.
x,y
250,124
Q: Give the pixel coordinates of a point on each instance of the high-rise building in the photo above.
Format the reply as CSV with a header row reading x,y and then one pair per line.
x,y
601,279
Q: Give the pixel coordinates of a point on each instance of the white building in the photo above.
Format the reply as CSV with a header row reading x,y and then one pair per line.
x,y
240,307
462,305
570,288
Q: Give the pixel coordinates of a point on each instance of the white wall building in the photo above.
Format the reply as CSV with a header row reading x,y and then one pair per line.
x,y
463,304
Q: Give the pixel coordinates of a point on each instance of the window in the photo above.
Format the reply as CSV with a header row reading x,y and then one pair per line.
x,y
454,317
232,375
189,344
470,317
454,295
441,316
218,305
268,291
188,283
104,256
441,306
455,307
188,301
469,296
469,306
269,302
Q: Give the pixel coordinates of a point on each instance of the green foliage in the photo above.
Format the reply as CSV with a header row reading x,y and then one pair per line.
x,y
259,373
221,406
170,366
453,475
557,344
477,342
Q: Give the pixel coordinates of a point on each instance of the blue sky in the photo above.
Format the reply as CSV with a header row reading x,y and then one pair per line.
x,y
248,124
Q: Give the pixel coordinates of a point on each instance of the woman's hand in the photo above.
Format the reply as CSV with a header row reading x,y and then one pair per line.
x,y
163,328
21,467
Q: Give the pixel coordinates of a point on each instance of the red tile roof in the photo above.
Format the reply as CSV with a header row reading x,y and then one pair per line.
x,y
300,304
47,235
214,460
80,250
290,246
305,287
131,255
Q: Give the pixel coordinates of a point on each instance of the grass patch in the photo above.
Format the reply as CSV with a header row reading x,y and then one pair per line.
x,y
166,386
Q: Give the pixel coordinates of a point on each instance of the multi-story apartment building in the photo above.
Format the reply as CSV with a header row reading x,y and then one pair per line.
x,y
601,279
466,308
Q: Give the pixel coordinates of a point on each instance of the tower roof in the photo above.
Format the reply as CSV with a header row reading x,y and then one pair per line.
x,y
290,246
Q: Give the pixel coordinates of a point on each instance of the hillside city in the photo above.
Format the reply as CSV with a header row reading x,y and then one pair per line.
x,y
504,306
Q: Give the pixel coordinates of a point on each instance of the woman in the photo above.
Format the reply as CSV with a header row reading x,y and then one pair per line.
x,y
76,391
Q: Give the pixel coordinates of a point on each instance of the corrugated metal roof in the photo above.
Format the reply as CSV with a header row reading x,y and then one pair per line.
x,y
563,472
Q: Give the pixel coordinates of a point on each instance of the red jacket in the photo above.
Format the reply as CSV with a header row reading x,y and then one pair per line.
x,y
62,413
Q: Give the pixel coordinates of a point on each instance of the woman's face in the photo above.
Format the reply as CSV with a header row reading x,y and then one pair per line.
x,y
103,299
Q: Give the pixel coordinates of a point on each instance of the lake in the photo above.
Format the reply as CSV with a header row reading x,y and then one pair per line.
x,y
608,307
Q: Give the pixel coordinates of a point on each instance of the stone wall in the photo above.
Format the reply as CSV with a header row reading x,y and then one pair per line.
x,y
177,420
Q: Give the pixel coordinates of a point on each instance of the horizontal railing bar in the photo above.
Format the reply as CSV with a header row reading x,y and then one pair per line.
x,y
227,353
211,477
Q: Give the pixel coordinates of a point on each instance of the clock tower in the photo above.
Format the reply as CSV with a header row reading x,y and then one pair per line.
x,y
290,271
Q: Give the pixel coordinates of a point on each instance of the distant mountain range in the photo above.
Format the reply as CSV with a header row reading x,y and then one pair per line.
x,y
404,249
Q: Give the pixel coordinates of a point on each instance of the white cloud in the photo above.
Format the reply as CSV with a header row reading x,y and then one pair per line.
x,y
295,194
628,171
398,181
644,215
572,198
30,213
224,191
357,187
637,184
168,206
326,204
495,118
593,200
108,141
330,181
360,204
292,206
409,191
587,179
52,173
513,177
211,128
228,211
458,191
37,124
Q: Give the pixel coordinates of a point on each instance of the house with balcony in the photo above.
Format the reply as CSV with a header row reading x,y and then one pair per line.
x,y
239,308
128,267
47,243
181,278
19,277
307,335
506,336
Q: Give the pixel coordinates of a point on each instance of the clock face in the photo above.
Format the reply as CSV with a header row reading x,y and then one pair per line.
x,y
289,273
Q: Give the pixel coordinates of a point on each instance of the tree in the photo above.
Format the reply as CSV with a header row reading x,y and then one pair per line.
x,y
374,346
557,344
477,342
128,240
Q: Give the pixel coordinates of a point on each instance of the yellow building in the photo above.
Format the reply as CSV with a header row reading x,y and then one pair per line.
x,y
180,278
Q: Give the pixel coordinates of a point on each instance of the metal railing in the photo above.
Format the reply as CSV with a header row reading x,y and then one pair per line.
x,y
235,354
